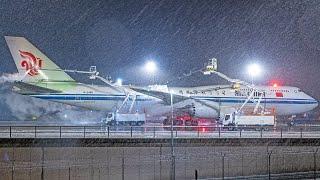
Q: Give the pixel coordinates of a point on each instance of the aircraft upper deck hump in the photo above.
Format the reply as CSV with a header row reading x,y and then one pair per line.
x,y
32,64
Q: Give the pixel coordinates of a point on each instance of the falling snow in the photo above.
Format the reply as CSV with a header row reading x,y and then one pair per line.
x,y
119,36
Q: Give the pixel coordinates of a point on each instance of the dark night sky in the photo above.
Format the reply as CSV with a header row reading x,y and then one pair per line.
x,y
119,36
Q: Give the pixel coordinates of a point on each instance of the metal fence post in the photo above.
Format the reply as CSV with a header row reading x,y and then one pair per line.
x,y
35,131
42,176
139,173
260,132
219,132
130,131
242,164
99,173
198,131
154,132
240,132
281,133
10,131
69,173
185,163
154,165
12,172
315,163
223,155
160,163
12,163
108,131
269,164
84,131
173,168
196,174
300,132
42,163
122,167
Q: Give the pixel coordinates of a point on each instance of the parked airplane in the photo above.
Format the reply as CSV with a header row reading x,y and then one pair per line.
x,y
43,79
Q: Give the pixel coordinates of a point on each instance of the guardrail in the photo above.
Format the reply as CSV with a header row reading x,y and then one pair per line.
x,y
157,132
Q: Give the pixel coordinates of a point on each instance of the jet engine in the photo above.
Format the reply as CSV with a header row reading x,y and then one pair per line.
x,y
199,110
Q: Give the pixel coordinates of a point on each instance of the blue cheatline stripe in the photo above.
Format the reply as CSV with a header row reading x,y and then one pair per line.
x,y
117,97
244,98
196,97
87,97
268,101
59,94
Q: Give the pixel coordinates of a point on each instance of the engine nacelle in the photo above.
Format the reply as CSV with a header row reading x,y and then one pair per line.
x,y
199,110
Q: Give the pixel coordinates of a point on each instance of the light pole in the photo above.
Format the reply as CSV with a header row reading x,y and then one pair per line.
x,y
172,149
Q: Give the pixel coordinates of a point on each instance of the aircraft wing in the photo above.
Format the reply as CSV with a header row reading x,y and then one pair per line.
x,y
180,100
164,96
218,88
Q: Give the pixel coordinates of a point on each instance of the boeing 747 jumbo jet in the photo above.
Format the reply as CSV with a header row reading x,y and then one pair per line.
x,y
43,79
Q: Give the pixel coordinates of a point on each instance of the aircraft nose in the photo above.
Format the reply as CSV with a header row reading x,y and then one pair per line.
x,y
315,103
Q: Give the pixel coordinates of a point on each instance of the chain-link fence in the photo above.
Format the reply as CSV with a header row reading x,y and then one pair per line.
x,y
158,132
155,162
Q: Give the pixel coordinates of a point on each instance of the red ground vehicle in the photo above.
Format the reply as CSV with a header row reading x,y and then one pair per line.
x,y
187,122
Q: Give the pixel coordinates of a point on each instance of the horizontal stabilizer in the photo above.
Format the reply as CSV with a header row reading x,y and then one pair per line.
x,y
27,89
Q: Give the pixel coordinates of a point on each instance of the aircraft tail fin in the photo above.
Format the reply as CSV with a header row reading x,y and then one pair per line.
x,y
32,64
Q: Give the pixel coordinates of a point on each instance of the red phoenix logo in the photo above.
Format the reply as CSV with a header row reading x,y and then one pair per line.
x,y
30,63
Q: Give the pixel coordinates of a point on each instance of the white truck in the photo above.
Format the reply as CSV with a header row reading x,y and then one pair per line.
x,y
238,120
135,119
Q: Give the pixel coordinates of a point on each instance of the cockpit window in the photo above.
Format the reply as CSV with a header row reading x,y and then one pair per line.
x,y
299,90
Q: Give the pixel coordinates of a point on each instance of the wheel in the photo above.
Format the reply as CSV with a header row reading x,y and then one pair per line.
x,y
231,127
127,123
133,123
112,123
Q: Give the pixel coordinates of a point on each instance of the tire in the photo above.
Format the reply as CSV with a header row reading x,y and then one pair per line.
x,y
231,127
112,123
133,123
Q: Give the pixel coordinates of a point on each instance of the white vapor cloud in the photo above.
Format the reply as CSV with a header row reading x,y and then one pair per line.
x,y
7,77
25,108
